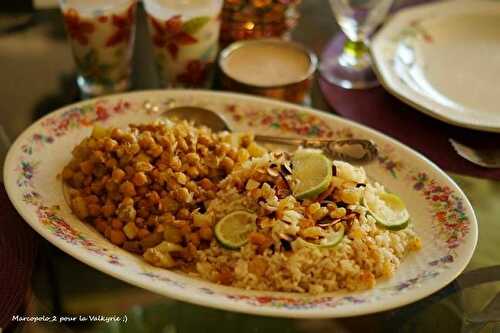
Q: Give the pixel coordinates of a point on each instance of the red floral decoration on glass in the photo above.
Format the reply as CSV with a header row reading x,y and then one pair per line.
x,y
195,74
78,29
169,34
123,25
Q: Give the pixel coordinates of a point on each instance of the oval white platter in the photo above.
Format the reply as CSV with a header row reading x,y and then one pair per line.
x,y
441,213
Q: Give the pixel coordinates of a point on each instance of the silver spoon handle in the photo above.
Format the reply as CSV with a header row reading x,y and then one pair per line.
x,y
349,150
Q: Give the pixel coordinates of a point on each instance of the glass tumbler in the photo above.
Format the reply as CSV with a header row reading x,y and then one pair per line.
x,y
185,40
101,34
351,67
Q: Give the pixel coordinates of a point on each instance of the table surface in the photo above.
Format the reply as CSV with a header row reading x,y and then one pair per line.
x,y
37,76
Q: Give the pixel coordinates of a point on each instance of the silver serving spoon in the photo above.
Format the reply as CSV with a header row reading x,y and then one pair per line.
x,y
349,150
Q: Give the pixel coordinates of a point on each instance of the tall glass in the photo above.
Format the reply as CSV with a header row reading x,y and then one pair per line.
x,y
185,37
101,34
351,67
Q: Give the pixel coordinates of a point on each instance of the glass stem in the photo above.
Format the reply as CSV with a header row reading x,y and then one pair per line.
x,y
357,49
355,55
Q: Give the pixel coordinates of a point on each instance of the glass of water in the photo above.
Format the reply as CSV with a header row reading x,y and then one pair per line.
x,y
351,67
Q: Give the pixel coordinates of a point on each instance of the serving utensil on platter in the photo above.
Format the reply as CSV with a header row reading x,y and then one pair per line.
x,y
358,151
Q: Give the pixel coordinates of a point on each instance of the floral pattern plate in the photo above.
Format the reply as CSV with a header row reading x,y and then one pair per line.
x,y
441,213
442,58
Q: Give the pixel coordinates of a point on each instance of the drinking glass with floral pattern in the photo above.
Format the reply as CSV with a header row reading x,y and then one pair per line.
x,y
101,34
185,40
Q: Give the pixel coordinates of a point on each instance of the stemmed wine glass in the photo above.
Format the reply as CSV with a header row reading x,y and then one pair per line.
x,y
351,67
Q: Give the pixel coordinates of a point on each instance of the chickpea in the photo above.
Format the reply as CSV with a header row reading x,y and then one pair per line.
x,y
128,137
92,199
175,163
182,144
110,144
205,139
87,181
128,189
193,172
96,187
202,150
233,153
143,233
182,195
108,209
153,197
206,184
168,204
118,175
111,186
227,164
146,140
117,133
116,224
192,158
111,163
117,237
87,167
143,212
127,201
107,232
139,179
129,171
78,179
181,178
162,166
98,157
155,150
133,149
94,209
141,190
184,214
203,169
100,225
79,206
246,139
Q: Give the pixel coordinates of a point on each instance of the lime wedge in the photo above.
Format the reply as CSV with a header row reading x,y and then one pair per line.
x,y
333,238
311,173
388,210
232,230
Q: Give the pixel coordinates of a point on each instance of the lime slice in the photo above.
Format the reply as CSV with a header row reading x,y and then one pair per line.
x,y
311,173
388,210
331,240
232,231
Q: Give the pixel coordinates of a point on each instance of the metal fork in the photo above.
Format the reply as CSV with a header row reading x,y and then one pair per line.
x,y
488,158
490,314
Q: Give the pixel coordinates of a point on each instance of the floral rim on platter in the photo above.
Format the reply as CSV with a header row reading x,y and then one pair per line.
x,y
453,221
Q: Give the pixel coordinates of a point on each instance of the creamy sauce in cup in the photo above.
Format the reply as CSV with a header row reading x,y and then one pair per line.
x,y
267,64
